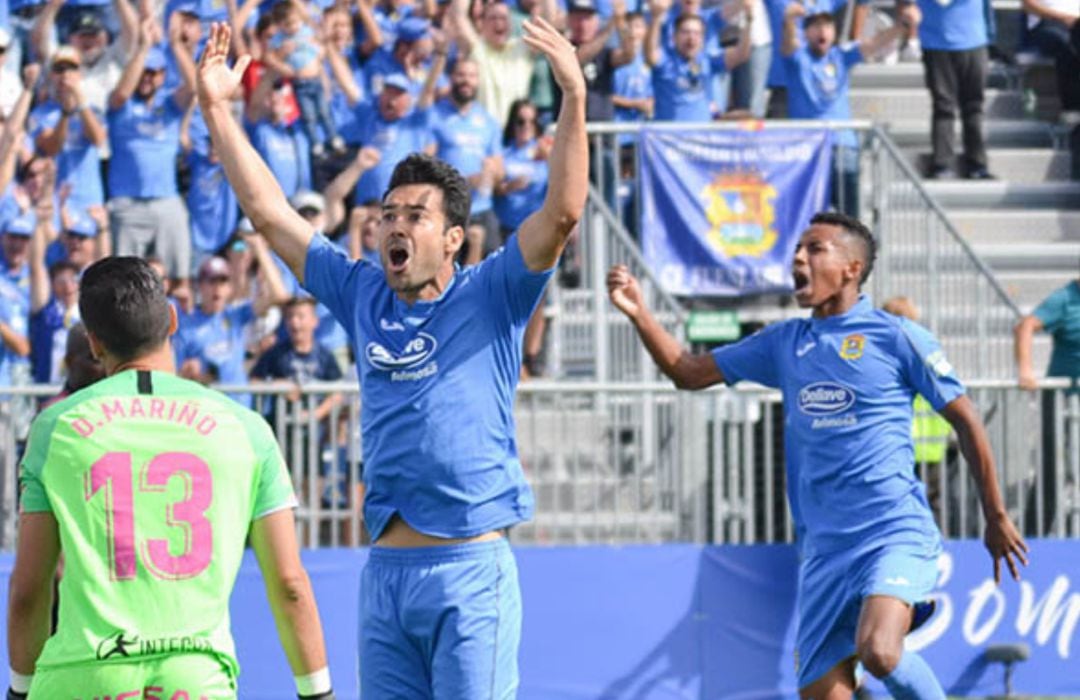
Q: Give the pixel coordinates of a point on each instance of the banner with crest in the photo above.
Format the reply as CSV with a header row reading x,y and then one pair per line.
x,y
723,210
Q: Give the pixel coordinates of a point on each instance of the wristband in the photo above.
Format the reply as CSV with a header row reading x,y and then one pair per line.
x,y
315,683
19,682
12,695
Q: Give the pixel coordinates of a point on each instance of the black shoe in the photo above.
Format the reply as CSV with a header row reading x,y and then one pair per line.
x,y
941,172
979,173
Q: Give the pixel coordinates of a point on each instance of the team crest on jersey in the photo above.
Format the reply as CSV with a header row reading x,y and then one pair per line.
x,y
852,346
740,208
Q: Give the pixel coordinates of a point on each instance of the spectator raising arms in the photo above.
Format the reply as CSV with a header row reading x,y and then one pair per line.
x,y
148,214
681,77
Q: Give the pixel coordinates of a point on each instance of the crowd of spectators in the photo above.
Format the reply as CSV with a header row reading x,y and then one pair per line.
x,y
104,150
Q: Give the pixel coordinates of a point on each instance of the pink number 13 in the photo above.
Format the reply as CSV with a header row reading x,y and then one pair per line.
x,y
114,473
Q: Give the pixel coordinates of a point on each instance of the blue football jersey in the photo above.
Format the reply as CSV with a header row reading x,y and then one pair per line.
x,y
848,384
437,382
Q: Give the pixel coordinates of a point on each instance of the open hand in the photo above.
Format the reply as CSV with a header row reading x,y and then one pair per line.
x,y
559,52
215,82
1003,541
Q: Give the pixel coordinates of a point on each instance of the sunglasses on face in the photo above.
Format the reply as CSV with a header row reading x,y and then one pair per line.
x,y
64,68
522,122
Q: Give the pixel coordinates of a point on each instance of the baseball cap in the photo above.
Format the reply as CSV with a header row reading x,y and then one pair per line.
x,y
80,224
155,59
816,17
5,38
399,81
187,7
66,54
214,268
21,225
581,6
413,29
306,199
87,22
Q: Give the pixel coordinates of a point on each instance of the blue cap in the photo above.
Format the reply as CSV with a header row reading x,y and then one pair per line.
x,y
21,225
155,59
188,7
80,224
399,81
413,29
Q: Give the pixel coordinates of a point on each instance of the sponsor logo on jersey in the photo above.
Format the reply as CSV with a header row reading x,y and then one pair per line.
x,y
122,644
415,353
390,325
852,346
802,350
825,398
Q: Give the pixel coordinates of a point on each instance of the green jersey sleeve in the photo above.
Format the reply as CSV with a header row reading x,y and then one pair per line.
x,y
274,490
33,498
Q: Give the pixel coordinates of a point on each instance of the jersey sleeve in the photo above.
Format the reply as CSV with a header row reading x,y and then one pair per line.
x,y
851,53
719,64
512,282
1052,310
334,279
33,498
753,359
925,366
274,490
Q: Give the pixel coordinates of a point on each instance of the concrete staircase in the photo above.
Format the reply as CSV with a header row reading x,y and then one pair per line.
x,y
1026,224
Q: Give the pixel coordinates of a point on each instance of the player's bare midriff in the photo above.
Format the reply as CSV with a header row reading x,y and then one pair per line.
x,y
400,534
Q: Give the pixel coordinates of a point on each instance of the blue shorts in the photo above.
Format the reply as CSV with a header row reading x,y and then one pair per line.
x,y
440,622
831,591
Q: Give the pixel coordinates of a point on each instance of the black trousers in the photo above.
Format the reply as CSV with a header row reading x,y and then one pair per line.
x,y
956,81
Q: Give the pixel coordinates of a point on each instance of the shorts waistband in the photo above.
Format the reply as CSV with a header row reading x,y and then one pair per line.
x,y
421,556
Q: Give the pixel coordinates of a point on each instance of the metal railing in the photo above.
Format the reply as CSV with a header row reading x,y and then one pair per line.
x,y
639,462
921,256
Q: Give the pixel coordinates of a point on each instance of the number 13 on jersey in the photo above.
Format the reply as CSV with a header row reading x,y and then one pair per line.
x,y
114,476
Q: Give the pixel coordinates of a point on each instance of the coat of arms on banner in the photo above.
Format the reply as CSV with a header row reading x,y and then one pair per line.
x,y
740,208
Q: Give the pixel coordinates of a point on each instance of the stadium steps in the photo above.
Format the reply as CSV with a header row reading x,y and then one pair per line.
x,y
1026,225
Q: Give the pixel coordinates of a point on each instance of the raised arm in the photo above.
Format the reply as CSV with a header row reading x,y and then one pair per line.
x,y
740,52
908,16
1023,334
272,292
255,186
624,52
129,23
185,63
793,14
342,185
431,81
1001,538
1043,11
40,287
292,601
373,38
129,79
653,52
343,76
463,29
687,370
12,135
543,235
43,27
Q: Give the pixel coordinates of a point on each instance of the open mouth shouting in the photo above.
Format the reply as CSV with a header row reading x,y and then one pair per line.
x,y
397,257
802,283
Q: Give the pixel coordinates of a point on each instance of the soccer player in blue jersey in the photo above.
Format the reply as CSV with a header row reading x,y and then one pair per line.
x,y
438,353
866,535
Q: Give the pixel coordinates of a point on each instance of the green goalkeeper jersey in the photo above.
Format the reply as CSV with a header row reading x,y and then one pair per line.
x,y
154,482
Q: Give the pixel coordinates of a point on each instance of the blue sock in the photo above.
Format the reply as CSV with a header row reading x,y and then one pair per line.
x,y
912,679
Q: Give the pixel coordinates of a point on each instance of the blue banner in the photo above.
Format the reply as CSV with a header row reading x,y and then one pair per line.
x,y
723,210
691,622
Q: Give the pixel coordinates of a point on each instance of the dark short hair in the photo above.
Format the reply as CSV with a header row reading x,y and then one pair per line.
x,y
62,266
515,107
687,17
123,304
855,229
818,18
422,169
298,301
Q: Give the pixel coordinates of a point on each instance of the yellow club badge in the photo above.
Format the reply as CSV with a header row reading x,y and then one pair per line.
x,y
852,346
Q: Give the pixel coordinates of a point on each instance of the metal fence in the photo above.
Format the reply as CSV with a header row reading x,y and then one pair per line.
x,y
921,256
643,463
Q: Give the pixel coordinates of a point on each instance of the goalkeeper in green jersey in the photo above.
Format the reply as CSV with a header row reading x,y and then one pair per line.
x,y
149,484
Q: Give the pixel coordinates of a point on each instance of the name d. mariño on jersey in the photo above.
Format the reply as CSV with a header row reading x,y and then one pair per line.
x,y
141,408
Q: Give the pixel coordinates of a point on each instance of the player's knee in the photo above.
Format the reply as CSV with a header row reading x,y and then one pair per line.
x,y
878,656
